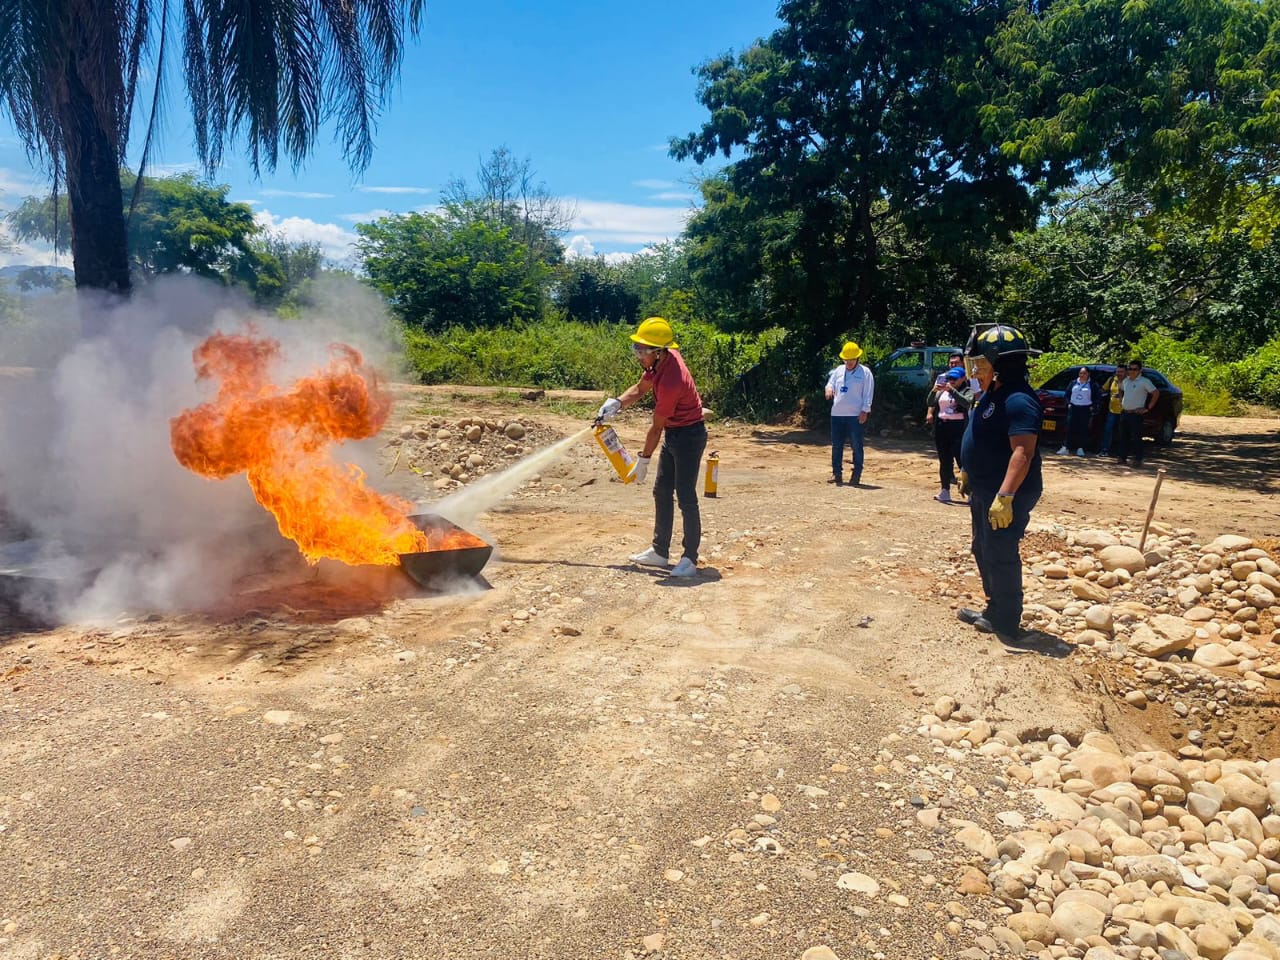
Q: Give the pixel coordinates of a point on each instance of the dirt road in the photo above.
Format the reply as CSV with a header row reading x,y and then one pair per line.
x,y
583,759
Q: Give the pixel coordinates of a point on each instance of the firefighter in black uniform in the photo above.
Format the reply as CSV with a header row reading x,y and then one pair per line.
x,y
1000,471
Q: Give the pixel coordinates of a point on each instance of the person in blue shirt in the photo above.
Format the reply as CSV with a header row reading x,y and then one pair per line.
x,y
850,388
1000,470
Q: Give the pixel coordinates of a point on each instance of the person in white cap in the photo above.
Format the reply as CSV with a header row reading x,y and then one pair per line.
x,y
850,387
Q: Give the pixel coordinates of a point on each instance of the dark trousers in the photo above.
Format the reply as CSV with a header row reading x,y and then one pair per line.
x,y
846,429
1130,444
947,435
999,563
1109,431
679,461
1078,416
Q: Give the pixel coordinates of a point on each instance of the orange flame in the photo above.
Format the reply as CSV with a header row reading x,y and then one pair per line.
x,y
281,441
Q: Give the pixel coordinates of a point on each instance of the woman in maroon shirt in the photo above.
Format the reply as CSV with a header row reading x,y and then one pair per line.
x,y
678,424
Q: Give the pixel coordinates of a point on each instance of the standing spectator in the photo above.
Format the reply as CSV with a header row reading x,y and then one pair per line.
x,y
1115,407
948,411
850,388
1001,472
1080,404
975,385
1138,397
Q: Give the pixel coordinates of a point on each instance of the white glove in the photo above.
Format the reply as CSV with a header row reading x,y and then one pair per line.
x,y
608,410
638,471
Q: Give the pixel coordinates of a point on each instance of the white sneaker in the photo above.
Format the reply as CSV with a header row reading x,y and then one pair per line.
x,y
685,568
1063,451
944,496
1079,451
650,558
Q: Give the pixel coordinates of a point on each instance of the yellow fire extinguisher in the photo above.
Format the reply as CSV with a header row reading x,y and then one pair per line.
x,y
619,457
712,486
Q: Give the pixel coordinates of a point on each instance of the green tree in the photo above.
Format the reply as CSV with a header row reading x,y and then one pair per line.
x,y
1179,100
593,291
853,117
180,225
272,72
439,271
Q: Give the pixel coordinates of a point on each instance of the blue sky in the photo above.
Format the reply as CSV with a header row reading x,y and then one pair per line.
x,y
590,92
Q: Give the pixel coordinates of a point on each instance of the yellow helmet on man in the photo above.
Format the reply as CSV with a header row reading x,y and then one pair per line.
x,y
850,351
655,332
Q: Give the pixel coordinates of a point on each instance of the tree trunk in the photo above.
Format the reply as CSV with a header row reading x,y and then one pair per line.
x,y
99,248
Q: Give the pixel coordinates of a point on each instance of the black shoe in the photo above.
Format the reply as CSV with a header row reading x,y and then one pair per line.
x,y
857,480
836,480
971,617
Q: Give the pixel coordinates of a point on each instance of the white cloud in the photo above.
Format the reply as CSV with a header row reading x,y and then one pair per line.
x,y
335,242
579,246
296,194
654,184
628,223
14,183
366,217
674,195
29,255
170,169
364,189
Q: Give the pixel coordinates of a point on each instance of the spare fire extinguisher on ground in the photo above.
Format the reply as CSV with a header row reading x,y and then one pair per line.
x,y
712,486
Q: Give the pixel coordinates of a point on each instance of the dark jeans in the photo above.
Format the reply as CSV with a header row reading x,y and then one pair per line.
x,y
679,462
999,562
947,435
846,429
1078,416
1109,431
1130,444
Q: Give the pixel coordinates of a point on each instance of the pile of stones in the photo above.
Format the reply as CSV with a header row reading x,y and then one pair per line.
x,y
450,453
1142,856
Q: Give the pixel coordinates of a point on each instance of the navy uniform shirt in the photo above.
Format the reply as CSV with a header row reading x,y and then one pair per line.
x,y
1011,411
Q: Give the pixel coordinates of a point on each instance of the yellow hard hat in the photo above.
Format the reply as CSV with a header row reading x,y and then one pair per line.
x,y
655,332
850,351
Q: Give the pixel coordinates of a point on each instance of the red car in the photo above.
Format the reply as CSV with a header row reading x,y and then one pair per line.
x,y
1159,424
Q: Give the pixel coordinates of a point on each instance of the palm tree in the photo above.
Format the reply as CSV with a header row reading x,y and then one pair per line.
x,y
272,71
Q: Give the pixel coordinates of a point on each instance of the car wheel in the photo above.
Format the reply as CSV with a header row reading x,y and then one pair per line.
x,y
1166,433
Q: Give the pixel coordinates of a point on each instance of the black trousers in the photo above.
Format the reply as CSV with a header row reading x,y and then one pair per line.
x,y
1078,417
1130,436
999,562
947,435
679,462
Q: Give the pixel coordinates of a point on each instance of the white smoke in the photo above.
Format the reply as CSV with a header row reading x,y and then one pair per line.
x,y
86,469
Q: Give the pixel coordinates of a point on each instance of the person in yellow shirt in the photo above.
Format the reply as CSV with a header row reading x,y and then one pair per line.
x,y
1115,406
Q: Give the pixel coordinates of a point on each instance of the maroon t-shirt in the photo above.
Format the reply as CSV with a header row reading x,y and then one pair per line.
x,y
675,395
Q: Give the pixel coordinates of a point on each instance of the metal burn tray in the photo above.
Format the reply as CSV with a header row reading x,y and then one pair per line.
x,y
432,567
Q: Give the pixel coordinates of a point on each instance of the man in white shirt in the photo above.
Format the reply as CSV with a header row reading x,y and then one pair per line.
x,y
1138,397
850,388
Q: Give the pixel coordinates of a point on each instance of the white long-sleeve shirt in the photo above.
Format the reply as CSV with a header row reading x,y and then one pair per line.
x,y
852,390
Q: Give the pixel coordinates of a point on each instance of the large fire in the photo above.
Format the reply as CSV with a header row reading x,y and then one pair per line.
x,y
281,439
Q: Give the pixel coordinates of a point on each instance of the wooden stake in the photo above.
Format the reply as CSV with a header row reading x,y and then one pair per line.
x,y
1155,495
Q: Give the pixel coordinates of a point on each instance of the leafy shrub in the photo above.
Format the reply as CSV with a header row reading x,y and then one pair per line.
x,y
1257,377
565,354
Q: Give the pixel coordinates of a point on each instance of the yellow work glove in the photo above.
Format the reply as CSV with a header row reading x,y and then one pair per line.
x,y
962,482
1001,512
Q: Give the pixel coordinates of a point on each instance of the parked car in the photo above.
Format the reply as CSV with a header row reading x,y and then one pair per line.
x,y
919,366
1159,425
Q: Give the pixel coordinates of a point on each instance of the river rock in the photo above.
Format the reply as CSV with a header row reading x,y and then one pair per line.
x,y
1228,543
1075,921
1100,617
1119,557
1214,655
1087,590
1145,642
1095,539
1031,926
1240,791
1101,769
515,431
